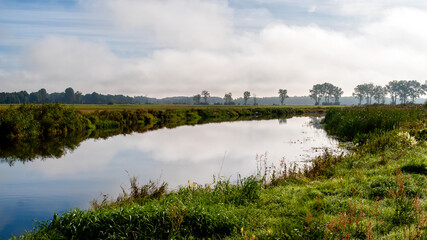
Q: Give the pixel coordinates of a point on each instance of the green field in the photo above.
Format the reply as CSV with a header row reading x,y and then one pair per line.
x,y
378,191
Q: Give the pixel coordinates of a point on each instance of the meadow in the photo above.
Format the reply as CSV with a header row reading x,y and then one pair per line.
x,y
377,191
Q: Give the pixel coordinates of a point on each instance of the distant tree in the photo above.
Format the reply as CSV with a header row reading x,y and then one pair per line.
x,y
283,94
246,96
196,99
405,89
393,89
326,90
369,92
337,92
56,97
22,97
228,99
69,96
365,91
379,94
44,96
78,97
359,93
415,89
205,95
316,93
35,97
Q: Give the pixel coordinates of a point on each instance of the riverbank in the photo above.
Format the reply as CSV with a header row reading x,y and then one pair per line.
x,y
35,121
49,130
376,192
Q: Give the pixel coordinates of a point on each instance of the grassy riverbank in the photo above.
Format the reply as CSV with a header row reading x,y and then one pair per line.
x,y
376,192
47,120
50,130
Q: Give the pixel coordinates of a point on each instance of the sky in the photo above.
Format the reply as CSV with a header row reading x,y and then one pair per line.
x,y
160,48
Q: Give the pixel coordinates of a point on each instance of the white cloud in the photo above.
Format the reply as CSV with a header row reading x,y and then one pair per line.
x,y
63,62
365,8
175,24
223,60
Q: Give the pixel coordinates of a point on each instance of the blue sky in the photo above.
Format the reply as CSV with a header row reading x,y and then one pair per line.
x,y
181,47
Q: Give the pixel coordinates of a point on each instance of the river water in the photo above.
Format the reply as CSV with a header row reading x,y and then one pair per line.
x,y
36,189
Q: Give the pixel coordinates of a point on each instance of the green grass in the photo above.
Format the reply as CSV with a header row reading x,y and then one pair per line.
x,y
376,192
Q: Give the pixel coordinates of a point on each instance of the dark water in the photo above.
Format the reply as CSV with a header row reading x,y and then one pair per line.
x,y
35,189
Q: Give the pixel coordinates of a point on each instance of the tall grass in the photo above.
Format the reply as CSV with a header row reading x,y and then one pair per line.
x,y
348,123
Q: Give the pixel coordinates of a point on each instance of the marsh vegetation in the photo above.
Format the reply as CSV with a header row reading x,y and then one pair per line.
x,y
376,192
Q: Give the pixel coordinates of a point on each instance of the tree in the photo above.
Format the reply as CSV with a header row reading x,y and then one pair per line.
x,y
369,92
246,96
337,92
196,99
228,99
415,89
69,95
365,90
401,89
35,97
44,96
379,94
316,93
393,88
283,94
78,97
255,100
359,93
205,95
326,90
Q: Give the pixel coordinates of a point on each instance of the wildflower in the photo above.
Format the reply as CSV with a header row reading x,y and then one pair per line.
x,y
241,230
194,185
269,231
188,181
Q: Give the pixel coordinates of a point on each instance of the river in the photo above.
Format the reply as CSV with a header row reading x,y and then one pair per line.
x,y
36,189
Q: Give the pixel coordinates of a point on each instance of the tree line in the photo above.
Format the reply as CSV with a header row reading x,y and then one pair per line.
x,y
403,91
69,96
228,98
329,94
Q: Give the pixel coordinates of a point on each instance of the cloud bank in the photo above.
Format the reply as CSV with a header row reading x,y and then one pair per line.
x,y
197,46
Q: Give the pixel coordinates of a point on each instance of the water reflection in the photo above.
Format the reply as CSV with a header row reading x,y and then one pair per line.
x,y
35,189
283,121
